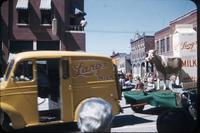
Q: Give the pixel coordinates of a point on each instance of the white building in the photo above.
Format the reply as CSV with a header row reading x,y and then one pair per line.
x,y
122,60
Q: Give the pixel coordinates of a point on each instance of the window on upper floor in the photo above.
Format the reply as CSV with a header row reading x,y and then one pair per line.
x,y
46,12
23,16
168,44
77,21
46,17
23,13
157,45
162,44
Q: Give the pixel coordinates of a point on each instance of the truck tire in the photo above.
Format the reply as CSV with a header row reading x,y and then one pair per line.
x,y
138,108
6,124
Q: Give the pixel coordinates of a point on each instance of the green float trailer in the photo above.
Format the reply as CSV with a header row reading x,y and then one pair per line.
x,y
161,98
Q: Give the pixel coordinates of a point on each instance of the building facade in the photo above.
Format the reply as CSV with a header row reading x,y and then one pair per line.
x,y
164,39
140,44
41,25
122,60
169,41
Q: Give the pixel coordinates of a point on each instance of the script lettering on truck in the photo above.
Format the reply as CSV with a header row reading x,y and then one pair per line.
x,y
82,69
97,69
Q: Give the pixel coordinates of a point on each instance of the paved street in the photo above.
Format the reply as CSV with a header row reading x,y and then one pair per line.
x,y
128,121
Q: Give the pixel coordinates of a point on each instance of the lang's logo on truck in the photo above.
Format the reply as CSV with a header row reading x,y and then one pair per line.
x,y
87,68
93,69
82,69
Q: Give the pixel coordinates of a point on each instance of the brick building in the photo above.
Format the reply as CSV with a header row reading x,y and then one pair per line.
x,y
162,41
41,25
140,44
163,38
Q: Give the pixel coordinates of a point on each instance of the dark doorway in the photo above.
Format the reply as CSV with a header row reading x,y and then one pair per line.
x,y
48,89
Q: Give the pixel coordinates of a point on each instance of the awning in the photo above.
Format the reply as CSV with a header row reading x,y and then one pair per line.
x,y
45,4
79,12
76,10
22,4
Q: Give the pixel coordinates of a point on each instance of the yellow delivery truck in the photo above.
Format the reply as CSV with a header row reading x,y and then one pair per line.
x,y
61,80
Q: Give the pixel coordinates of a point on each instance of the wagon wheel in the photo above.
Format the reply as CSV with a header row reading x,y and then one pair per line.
x,y
137,107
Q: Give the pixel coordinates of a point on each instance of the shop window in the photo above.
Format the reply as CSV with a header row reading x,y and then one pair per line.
x,y
20,46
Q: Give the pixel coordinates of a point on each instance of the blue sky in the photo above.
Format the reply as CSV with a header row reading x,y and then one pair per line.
x,y
112,23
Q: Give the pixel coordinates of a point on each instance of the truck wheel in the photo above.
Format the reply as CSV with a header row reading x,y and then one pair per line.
x,y
6,122
138,108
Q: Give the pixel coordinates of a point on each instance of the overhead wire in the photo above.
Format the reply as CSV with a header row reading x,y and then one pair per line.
x,y
119,32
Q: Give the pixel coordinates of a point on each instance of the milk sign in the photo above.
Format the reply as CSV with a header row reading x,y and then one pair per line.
x,y
185,47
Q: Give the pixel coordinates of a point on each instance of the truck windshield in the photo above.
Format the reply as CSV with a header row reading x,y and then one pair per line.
x,y
9,68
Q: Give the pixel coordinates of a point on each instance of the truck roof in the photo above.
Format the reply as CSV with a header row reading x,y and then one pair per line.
x,y
54,54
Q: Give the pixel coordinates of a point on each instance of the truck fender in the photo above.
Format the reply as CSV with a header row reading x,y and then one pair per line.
x,y
15,117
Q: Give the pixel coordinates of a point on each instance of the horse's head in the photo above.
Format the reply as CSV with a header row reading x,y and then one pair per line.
x,y
150,55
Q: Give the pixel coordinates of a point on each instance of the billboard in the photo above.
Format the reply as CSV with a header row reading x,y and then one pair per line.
x,y
185,47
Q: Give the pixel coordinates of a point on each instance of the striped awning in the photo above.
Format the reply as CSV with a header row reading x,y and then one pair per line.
x,y
22,4
45,4
75,10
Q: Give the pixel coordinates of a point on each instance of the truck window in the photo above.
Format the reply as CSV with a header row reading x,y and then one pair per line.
x,y
24,71
10,66
65,69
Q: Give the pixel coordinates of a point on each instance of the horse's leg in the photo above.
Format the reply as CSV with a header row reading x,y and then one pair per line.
x,y
158,82
178,78
164,87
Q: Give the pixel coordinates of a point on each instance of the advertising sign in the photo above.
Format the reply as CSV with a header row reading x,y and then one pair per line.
x,y
185,47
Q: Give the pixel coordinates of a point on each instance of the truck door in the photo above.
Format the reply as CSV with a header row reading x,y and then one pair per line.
x,y
66,91
24,90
